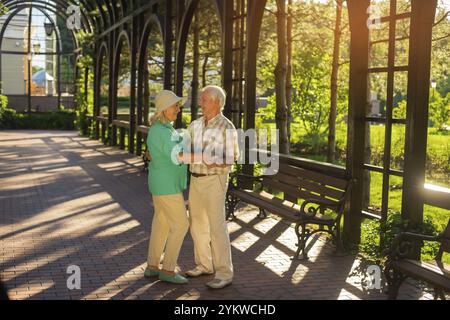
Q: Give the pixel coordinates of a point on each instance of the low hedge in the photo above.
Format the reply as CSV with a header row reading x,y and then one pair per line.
x,y
58,120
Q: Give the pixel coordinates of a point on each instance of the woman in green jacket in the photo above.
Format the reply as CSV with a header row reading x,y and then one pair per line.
x,y
166,180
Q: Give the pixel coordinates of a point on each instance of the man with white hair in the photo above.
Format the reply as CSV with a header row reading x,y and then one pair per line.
x,y
215,137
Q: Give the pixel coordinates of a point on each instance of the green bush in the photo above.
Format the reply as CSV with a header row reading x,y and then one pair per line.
x,y
59,120
8,118
3,102
372,249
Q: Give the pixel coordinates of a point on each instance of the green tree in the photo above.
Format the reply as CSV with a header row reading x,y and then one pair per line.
x,y
311,97
3,9
439,110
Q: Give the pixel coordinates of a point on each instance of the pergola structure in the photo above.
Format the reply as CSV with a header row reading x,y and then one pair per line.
x,y
119,22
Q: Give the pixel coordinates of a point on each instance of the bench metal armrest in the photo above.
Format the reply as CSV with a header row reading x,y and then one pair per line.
x,y
403,244
310,207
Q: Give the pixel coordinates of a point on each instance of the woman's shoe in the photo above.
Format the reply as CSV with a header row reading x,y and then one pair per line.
x,y
150,273
176,278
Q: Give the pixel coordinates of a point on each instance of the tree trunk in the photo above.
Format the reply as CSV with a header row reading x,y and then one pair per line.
x,y
206,57
280,78
289,69
195,69
204,69
237,69
331,154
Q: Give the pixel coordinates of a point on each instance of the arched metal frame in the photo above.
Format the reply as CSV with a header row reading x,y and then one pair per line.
x,y
103,53
121,38
86,21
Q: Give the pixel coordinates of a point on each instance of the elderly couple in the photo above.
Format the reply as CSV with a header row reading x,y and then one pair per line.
x,y
208,185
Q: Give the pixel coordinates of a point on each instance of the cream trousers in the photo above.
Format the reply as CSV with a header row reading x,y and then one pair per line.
x,y
169,226
208,226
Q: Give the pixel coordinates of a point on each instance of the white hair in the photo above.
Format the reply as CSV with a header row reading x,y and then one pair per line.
x,y
216,93
159,116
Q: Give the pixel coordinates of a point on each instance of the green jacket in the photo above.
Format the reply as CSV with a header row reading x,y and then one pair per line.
x,y
164,176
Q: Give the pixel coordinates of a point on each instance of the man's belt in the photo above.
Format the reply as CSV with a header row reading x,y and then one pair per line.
x,y
198,175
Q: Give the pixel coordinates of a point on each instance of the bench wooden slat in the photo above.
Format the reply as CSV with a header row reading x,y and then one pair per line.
x,y
294,192
314,176
428,272
142,129
121,124
289,190
102,119
314,186
249,197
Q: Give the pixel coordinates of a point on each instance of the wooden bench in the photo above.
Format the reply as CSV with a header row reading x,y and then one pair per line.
x,y
122,125
398,267
104,126
322,200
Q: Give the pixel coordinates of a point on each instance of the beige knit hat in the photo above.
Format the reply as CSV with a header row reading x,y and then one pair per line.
x,y
165,99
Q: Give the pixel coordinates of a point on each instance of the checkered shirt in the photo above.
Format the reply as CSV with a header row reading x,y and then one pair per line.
x,y
218,138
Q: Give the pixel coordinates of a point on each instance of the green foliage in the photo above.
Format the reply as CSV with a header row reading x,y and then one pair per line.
x,y
85,94
6,114
210,58
3,102
439,110
371,248
59,120
311,99
400,111
3,9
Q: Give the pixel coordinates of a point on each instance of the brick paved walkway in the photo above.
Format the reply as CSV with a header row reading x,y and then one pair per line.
x,y
66,200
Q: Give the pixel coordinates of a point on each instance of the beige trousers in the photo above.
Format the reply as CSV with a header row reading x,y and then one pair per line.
x,y
169,226
208,226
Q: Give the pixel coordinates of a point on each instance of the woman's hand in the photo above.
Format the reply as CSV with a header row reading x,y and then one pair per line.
x,y
148,156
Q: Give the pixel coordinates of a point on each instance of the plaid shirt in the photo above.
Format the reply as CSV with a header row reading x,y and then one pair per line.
x,y
219,139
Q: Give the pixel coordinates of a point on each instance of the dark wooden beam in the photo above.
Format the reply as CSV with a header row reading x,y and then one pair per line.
x,y
97,79
358,84
168,46
111,99
255,12
227,48
422,18
134,51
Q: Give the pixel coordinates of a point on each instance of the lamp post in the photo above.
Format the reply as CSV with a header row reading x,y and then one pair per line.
x,y
433,85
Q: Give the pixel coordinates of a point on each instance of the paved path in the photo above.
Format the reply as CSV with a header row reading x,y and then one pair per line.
x,y
66,200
